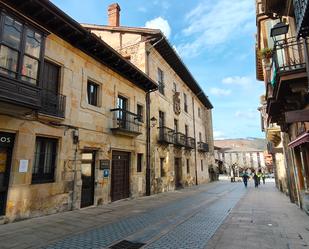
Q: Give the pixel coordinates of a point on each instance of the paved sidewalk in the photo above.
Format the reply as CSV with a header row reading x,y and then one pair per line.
x,y
264,218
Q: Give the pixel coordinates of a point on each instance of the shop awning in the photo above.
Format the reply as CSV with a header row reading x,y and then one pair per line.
x,y
304,138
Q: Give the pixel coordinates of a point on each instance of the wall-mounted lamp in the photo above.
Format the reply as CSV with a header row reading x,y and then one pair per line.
x,y
279,29
153,121
75,135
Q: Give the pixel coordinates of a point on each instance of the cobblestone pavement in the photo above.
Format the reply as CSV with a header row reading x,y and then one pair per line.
x,y
181,219
186,223
263,219
214,216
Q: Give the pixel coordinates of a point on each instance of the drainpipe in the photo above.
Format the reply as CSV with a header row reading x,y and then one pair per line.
x,y
195,150
148,182
307,59
148,127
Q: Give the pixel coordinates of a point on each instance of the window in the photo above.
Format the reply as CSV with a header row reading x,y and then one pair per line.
x,y
139,162
185,102
202,166
259,159
20,50
186,130
188,166
199,112
200,136
174,87
161,81
44,160
162,171
176,125
161,119
92,93
244,158
140,113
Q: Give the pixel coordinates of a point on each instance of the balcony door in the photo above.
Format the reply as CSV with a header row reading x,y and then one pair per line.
x,y
122,105
50,86
161,125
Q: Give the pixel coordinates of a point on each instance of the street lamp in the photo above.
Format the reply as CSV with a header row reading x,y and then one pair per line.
x,y
153,121
279,29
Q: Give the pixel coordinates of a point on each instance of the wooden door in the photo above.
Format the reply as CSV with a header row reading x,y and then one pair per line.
x,y
178,173
87,174
6,145
120,182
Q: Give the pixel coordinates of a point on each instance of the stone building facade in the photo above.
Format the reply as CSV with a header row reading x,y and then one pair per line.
x,y
69,128
237,154
283,65
74,122
182,138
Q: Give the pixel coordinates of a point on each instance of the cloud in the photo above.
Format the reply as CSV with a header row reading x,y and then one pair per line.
x,y
142,9
213,23
219,135
219,91
238,80
249,114
160,23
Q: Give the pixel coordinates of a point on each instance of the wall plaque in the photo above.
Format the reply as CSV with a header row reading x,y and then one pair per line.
x,y
104,164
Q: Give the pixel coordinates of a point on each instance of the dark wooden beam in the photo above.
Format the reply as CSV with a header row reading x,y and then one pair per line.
x,y
297,116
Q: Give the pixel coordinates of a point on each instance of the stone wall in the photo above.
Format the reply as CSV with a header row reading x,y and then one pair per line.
x,y
28,200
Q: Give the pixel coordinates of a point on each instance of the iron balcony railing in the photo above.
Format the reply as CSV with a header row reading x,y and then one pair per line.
x,y
126,121
289,56
53,104
301,10
202,147
190,143
166,135
180,139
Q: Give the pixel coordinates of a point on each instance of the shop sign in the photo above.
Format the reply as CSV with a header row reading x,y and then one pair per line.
x,y
6,139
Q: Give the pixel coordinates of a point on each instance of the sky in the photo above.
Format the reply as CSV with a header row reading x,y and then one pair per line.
x,y
215,39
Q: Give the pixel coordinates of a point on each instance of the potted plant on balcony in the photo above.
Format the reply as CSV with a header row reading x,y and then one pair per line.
x,y
266,54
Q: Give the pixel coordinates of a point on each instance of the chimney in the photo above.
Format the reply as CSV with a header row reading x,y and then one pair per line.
x,y
114,15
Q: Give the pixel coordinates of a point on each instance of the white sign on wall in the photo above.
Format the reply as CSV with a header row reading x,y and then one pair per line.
x,y
23,166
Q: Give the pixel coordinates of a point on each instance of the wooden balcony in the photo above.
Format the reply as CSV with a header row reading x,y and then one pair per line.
x,y
166,135
20,93
126,123
202,147
301,10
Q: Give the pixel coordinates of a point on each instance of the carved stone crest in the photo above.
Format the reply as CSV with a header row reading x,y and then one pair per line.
x,y
176,101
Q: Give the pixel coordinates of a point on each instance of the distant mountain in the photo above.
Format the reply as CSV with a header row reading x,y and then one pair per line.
x,y
242,143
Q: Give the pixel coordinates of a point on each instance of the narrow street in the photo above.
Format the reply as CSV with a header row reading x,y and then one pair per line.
x,y
183,219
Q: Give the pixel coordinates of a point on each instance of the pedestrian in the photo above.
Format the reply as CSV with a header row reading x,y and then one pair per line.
x,y
245,178
263,177
259,174
256,180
